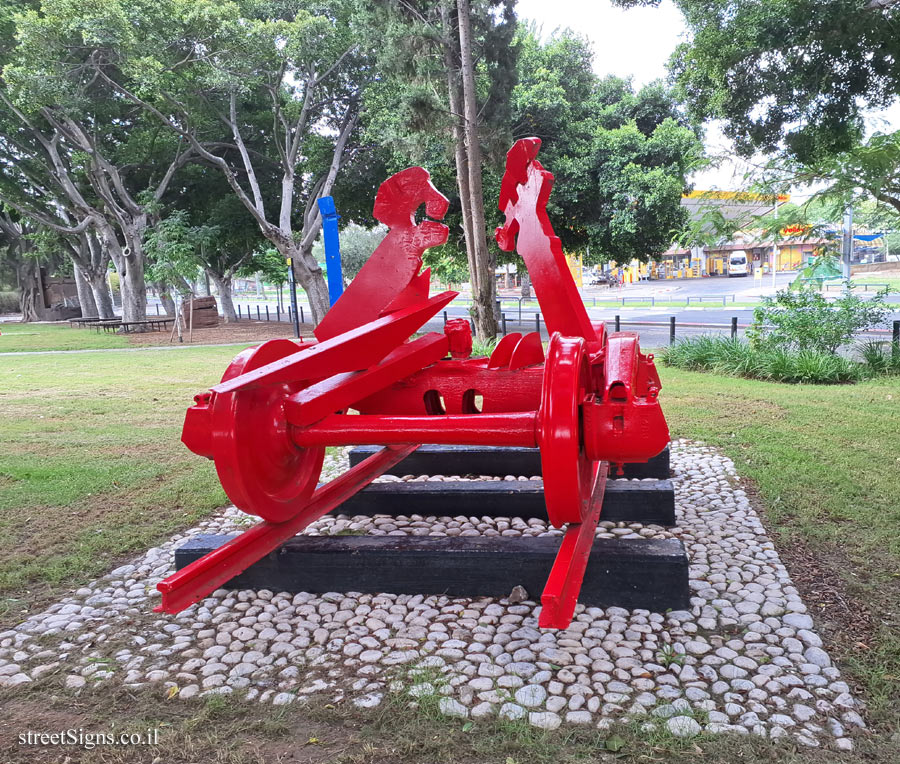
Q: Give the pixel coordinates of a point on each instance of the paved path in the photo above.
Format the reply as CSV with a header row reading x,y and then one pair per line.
x,y
128,350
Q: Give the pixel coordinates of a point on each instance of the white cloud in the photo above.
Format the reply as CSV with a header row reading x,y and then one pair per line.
x,y
635,42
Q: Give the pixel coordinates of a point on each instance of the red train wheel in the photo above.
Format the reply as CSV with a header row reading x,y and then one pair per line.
x,y
262,471
568,473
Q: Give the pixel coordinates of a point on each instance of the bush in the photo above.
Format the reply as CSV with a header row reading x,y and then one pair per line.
x,y
483,348
9,302
880,358
734,358
806,320
357,245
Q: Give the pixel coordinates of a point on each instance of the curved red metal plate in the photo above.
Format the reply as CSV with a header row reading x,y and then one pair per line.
x,y
503,352
390,278
528,352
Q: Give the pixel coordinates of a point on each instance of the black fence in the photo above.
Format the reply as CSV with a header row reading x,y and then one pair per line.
x,y
527,321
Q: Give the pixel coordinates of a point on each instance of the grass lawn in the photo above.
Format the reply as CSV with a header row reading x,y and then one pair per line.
x,y
17,337
893,281
91,466
826,461
91,470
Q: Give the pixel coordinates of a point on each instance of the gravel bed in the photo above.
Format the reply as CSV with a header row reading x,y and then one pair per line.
x,y
746,658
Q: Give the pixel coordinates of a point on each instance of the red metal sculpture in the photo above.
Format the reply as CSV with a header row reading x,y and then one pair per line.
x,y
591,402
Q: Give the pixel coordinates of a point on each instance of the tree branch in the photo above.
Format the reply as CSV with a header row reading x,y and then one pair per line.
x,y
217,161
311,226
242,148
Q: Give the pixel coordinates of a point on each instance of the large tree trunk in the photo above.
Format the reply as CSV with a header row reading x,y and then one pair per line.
x,y
309,276
484,301
130,267
98,275
85,294
165,297
26,273
136,307
99,281
223,287
451,64
525,282
134,290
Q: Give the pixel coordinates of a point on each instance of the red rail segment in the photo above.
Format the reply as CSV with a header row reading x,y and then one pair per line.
x,y
592,400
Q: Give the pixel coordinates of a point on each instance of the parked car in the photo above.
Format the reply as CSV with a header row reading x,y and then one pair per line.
x,y
737,264
599,279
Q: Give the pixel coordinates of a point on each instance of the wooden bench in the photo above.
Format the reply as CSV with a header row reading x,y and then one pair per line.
x,y
106,325
156,324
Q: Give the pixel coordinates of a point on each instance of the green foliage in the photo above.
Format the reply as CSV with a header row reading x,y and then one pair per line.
x,y
708,227
734,358
173,248
804,319
9,302
881,357
483,348
269,263
865,174
667,656
357,245
620,157
445,267
792,74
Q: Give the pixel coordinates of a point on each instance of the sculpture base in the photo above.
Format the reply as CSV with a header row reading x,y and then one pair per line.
x,y
651,574
494,462
623,501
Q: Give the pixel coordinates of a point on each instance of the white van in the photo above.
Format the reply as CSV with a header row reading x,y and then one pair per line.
x,y
737,264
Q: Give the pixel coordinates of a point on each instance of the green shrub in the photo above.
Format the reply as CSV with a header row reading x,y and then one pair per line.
x,y
483,348
880,357
734,358
806,320
9,302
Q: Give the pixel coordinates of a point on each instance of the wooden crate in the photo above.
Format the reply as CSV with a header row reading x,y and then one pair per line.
x,y
206,312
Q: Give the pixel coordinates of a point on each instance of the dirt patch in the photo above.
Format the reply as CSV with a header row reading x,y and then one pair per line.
x,y
852,616
242,331
187,733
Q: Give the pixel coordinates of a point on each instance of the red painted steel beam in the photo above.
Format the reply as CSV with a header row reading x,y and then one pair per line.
x,y
355,349
343,390
200,578
513,429
560,594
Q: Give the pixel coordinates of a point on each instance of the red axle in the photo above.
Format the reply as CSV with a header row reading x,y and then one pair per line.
x,y
515,429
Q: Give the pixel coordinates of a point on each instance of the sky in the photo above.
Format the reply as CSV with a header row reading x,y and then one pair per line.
x,y
637,43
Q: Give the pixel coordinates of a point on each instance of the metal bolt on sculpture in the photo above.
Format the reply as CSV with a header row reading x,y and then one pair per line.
x,y
590,402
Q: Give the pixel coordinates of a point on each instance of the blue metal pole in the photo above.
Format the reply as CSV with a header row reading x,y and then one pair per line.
x,y
332,248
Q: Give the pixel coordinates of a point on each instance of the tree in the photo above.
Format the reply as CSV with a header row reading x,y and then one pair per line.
x,y
270,266
20,256
620,157
39,183
452,67
788,74
357,245
285,82
88,148
212,236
